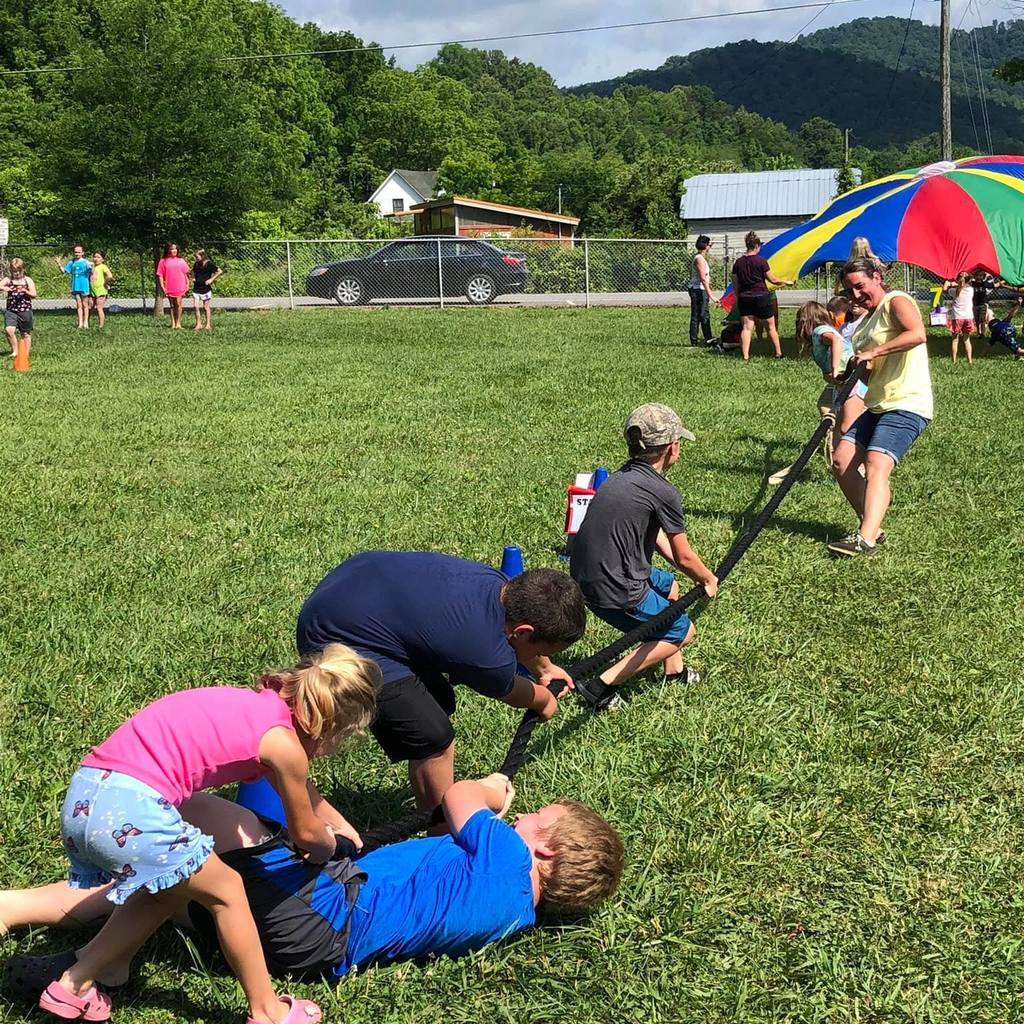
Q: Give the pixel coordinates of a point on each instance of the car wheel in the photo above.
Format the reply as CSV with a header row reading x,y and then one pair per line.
x,y
480,289
349,291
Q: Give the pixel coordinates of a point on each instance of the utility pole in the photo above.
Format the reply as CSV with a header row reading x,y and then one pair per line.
x,y
947,117
559,197
846,147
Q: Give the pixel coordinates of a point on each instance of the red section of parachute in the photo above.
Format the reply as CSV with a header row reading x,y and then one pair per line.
x,y
943,230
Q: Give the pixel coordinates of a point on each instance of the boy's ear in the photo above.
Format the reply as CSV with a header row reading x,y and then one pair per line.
x,y
521,631
542,848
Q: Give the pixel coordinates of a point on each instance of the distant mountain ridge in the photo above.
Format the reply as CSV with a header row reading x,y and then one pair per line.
x,y
846,75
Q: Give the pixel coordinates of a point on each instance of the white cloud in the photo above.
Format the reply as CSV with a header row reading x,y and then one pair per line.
x,y
587,56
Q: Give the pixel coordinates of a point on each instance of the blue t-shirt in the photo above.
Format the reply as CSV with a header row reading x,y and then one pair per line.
x,y
415,613
81,272
821,348
443,895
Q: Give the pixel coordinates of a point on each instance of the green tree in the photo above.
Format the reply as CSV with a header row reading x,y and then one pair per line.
x,y
158,138
821,142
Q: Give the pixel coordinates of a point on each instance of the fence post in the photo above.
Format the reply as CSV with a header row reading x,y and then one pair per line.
x,y
586,270
142,279
726,276
288,258
906,277
440,276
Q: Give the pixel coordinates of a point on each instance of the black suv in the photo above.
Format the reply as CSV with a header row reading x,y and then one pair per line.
x,y
411,268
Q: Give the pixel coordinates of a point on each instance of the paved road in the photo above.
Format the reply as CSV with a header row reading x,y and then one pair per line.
x,y
786,298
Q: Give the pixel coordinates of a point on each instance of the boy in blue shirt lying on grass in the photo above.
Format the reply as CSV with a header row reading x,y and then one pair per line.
x,y
442,895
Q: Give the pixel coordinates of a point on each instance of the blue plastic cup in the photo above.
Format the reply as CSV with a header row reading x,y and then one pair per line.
x,y
512,560
600,475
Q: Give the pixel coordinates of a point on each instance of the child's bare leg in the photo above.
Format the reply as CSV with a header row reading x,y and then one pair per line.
x,y
646,655
56,905
968,350
954,347
209,314
850,413
220,890
101,301
197,309
12,339
431,776
773,334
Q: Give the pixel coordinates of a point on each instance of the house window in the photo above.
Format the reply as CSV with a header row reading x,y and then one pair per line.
x,y
398,205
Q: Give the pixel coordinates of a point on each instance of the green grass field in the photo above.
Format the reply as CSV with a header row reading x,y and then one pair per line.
x,y
828,829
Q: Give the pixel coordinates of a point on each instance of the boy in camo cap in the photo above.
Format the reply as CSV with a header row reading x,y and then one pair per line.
x,y
636,512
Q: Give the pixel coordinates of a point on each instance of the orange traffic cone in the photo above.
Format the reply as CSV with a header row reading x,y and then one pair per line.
x,y
21,359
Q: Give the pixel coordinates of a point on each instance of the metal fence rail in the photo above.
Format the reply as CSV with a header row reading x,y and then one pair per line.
x,y
437,271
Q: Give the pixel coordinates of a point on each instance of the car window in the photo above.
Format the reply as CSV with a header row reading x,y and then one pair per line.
x,y
414,251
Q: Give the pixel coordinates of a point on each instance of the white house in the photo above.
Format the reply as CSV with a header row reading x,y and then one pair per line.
x,y
727,206
402,190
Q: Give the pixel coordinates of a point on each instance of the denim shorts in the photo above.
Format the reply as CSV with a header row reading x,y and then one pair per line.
x,y
654,602
117,829
891,433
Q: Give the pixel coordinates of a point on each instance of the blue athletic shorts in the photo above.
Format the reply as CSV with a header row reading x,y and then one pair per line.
x,y
117,829
891,433
654,602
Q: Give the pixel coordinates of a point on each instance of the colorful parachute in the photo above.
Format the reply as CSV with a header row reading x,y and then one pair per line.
x,y
945,217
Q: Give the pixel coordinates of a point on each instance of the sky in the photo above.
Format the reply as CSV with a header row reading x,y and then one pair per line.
x,y
590,56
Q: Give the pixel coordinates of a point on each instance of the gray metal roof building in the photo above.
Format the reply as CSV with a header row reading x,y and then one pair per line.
x,y
768,202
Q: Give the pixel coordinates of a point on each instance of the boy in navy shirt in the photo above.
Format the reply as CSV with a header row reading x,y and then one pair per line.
x,y
636,512
431,621
443,895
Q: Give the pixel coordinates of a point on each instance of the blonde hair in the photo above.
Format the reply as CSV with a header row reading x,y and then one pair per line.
x,y
17,265
588,859
810,315
332,694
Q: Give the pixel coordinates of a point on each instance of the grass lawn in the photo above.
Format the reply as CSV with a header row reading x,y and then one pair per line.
x,y
828,829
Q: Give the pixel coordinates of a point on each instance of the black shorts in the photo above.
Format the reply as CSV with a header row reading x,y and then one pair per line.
x,y
19,319
301,910
413,715
759,306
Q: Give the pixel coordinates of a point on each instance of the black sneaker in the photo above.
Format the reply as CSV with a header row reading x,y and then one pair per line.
x,y
688,677
853,545
597,695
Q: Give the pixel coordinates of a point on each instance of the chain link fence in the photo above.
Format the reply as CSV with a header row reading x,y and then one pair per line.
x,y
438,271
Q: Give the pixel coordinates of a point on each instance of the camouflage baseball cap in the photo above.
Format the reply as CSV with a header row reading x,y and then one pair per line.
x,y
653,425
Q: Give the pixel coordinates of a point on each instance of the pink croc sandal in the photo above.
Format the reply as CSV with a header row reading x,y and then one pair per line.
x,y
300,1011
62,1002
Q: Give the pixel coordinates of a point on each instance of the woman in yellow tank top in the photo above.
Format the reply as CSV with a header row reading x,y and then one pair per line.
x,y
891,340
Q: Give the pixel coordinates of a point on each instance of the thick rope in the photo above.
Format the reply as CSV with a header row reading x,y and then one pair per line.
x,y
587,668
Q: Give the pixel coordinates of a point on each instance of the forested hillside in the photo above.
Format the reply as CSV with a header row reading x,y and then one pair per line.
x,y
136,127
849,75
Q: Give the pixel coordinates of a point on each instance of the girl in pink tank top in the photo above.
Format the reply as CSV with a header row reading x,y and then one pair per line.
x,y
122,826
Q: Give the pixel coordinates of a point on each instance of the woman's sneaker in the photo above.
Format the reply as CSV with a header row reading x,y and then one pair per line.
x,y
853,545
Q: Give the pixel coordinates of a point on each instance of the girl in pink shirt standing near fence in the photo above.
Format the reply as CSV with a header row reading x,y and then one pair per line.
x,y
172,273
122,824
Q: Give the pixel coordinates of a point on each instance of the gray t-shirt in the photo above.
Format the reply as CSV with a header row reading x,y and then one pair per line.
x,y
611,554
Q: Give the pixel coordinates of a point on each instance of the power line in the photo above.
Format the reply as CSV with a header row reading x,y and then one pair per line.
x,y
967,89
981,84
802,30
487,39
899,56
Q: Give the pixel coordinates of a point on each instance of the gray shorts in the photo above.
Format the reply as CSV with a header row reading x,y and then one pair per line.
x,y
19,319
